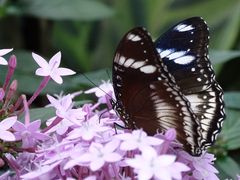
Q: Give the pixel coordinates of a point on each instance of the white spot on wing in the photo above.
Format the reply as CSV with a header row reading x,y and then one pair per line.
x,y
148,69
128,62
121,60
134,37
159,50
116,57
165,53
183,27
184,59
138,64
176,55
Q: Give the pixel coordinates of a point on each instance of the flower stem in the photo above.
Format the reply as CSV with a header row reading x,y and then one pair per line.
x,y
54,123
42,85
115,171
27,114
11,68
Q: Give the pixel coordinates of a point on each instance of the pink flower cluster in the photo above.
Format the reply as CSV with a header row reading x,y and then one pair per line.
x,y
84,142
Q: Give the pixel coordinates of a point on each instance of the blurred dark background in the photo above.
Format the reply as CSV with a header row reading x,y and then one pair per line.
x,y
88,31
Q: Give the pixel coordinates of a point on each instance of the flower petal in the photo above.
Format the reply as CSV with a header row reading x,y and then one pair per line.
x,y
19,126
96,164
112,157
5,51
57,78
136,163
67,101
8,123
39,172
128,145
146,174
111,146
84,158
34,126
166,160
163,174
54,101
55,60
65,71
40,61
154,141
3,61
40,136
62,129
7,136
92,90
42,72
124,136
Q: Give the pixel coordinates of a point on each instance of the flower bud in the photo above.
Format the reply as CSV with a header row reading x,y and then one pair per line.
x,y
2,94
12,62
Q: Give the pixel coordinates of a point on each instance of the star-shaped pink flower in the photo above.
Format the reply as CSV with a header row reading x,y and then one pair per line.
x,y
105,87
6,124
149,164
98,155
2,53
203,165
29,134
64,109
137,139
88,129
52,68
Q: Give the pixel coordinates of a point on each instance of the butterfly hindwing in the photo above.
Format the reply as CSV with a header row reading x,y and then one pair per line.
x,y
184,50
146,94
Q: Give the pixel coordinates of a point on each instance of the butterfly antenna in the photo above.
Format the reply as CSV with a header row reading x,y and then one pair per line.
x,y
96,85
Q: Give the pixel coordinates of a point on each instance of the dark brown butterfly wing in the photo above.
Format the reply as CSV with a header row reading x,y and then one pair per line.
x,y
184,50
146,94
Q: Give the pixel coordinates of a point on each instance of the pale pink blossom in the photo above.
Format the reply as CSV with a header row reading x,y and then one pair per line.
x,y
29,133
102,90
98,155
203,166
137,139
5,125
2,53
88,130
148,165
52,68
64,109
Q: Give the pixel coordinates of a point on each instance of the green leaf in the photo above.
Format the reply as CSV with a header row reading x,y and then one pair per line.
x,y
82,102
229,30
40,113
73,38
64,10
228,166
232,99
218,57
230,133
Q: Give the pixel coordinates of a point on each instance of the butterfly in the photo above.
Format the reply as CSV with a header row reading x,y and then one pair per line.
x,y
169,83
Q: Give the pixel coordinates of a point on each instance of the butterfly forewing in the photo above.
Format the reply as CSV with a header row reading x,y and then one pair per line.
x,y
184,50
146,94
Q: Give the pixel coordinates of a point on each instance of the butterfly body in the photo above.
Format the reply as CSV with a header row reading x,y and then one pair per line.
x,y
157,85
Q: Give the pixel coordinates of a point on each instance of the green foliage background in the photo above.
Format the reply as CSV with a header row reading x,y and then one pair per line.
x,y
88,31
